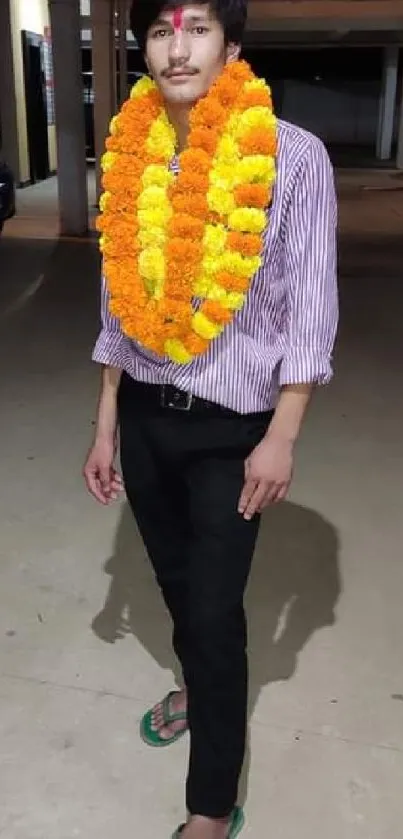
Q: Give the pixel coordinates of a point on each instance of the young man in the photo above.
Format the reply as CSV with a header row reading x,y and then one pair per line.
x,y
209,403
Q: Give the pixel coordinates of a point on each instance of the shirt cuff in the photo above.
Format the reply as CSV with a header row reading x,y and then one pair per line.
x,y
305,365
110,348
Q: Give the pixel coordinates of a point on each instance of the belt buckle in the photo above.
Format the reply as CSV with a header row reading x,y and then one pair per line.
x,y
178,400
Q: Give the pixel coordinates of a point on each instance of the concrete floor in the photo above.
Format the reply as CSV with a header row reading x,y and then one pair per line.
x,y
84,641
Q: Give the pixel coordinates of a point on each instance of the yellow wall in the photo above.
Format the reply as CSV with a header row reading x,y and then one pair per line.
x,y
33,16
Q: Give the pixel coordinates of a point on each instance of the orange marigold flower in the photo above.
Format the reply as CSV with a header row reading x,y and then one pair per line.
x,y
195,159
208,113
113,182
191,182
176,312
204,138
136,125
146,329
258,141
232,282
252,195
215,312
246,244
113,144
194,344
183,225
199,205
184,251
240,72
182,258
117,247
128,166
227,92
255,98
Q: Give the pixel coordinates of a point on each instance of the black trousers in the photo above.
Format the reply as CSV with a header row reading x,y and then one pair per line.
x,y
183,473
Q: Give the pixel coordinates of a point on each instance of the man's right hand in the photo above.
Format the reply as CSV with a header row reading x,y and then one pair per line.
x,y
102,480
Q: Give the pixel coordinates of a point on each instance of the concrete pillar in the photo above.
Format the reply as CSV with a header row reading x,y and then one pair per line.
x,y
387,104
70,126
399,157
122,18
104,78
8,100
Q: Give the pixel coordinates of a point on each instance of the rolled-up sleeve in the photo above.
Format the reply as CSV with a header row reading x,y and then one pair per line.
x,y
111,345
311,272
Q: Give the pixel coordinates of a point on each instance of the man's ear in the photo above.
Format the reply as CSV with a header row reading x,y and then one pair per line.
x,y
233,53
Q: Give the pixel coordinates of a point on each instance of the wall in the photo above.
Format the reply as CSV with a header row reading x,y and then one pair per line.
x,y
8,109
329,8
345,113
33,16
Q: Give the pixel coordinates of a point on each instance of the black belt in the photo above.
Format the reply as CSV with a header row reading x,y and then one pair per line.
x,y
171,398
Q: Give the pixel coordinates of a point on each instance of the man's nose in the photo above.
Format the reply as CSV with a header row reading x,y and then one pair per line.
x,y
179,48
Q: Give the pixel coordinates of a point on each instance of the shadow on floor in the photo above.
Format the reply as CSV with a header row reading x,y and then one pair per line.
x,y
293,591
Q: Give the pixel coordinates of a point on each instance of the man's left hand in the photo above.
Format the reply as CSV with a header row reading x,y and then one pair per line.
x,y
268,475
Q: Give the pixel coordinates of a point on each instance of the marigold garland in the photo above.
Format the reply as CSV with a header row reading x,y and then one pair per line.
x,y
169,241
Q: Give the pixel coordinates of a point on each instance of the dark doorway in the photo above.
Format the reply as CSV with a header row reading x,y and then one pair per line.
x,y
35,99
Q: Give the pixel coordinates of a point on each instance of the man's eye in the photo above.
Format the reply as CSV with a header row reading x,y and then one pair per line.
x,y
200,30
160,33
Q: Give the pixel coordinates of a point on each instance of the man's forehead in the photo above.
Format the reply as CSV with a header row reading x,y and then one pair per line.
x,y
191,11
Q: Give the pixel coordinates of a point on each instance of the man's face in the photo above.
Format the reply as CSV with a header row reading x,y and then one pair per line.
x,y
186,52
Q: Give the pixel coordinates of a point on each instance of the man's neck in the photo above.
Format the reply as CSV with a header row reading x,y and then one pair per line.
x,y
179,118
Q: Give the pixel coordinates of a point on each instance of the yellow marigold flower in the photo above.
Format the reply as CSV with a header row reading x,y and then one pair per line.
x,y
108,160
161,141
248,220
152,263
256,168
176,350
211,264
227,150
220,201
232,124
217,293
152,269
205,327
203,284
224,176
155,175
215,238
153,196
142,87
103,201
256,84
152,237
114,125
258,116
234,300
157,217
245,266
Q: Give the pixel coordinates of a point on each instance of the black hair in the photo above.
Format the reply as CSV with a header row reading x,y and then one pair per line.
x,y
232,14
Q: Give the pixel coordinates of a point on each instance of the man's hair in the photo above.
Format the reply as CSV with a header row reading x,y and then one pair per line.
x,y
232,15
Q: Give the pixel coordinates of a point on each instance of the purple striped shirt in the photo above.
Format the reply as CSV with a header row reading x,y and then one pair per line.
x,y
285,333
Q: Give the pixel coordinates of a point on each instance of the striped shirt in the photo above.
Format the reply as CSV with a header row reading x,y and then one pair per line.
x,y
285,333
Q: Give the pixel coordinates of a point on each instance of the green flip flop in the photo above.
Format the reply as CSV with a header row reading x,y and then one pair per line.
x,y
237,824
151,736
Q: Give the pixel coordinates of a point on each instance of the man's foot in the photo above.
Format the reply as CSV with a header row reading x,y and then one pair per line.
x,y
177,705
198,827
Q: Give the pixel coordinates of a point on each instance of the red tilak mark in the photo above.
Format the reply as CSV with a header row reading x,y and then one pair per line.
x,y
178,18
